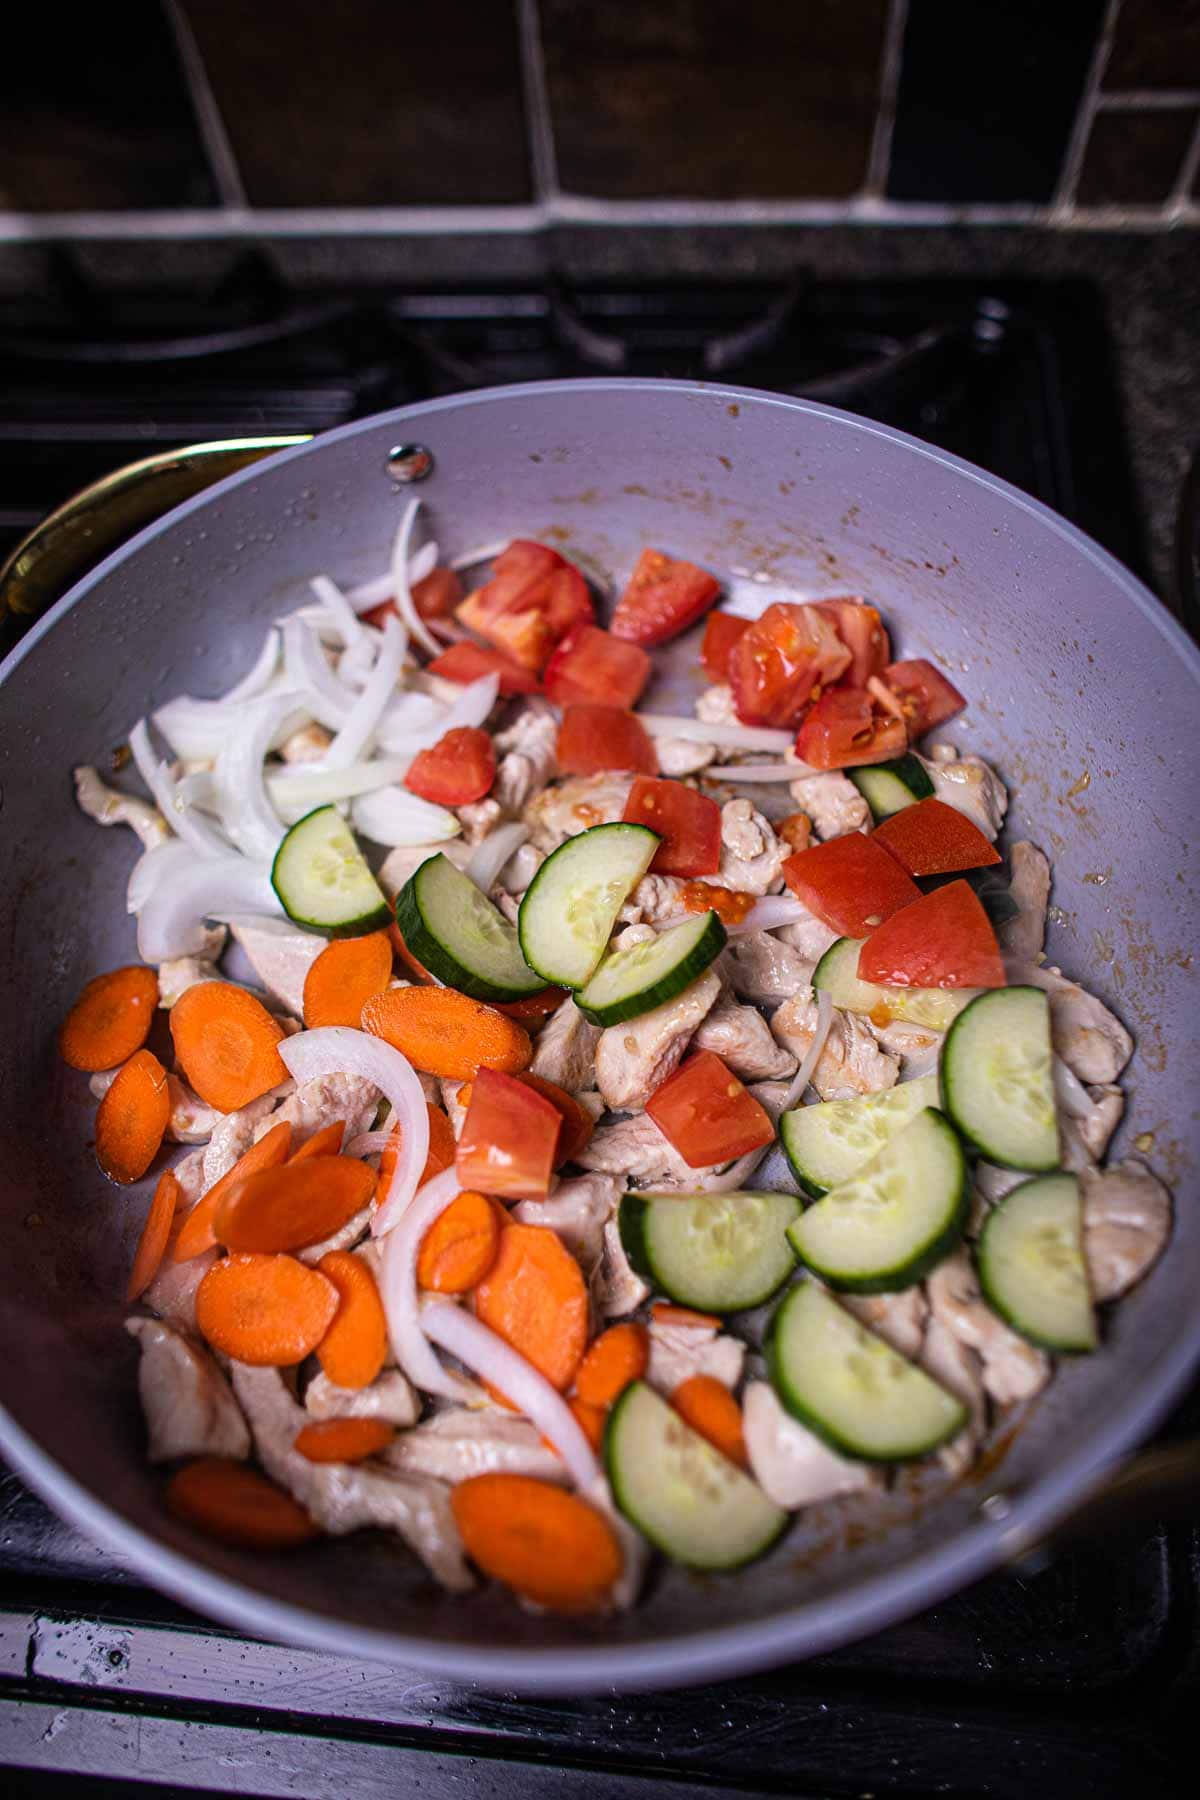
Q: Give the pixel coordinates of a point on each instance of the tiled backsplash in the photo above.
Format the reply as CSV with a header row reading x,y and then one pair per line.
x,y
211,116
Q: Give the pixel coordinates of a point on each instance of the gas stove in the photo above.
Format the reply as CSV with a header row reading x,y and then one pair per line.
x,y
1077,1677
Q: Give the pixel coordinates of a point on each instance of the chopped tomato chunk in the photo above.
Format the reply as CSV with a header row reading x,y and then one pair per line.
x,y
591,664
943,940
846,728
533,599
509,1138
932,838
782,661
459,768
534,1006
434,598
688,823
704,1111
850,883
864,634
927,698
592,739
662,598
577,1122
721,632
467,662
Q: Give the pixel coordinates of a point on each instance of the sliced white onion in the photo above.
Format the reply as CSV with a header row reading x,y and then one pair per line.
x,y
151,867
886,698
172,918
481,553
339,1049
196,729
812,1055
922,1062
197,789
355,664
733,737
363,718
401,590
756,771
368,1143
251,685
488,858
328,698
449,631
398,1288
769,913
472,707
393,816
297,790
380,587
483,1351
242,800
1070,1092
331,597
202,836
409,712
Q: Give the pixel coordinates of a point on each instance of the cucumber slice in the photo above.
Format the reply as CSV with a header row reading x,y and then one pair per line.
x,y
322,879
456,933
890,1223
997,1082
850,1387
1032,1267
716,1252
634,981
571,905
889,787
837,973
827,1143
687,1498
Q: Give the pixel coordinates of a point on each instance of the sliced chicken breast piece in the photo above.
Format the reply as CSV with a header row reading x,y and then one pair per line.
x,y
390,1397
1012,1369
188,1404
479,818
636,1057
233,1135
463,1441
109,807
851,1062
1090,1039
565,1051
971,787
1085,1137
790,1463
809,938
899,1319
1023,938
677,1352
682,756
832,802
406,859
760,967
751,854
578,1210
183,972
580,801
960,1371
321,1102
306,745
1126,1224
525,755
741,1037
715,705
281,954
191,1120
616,1288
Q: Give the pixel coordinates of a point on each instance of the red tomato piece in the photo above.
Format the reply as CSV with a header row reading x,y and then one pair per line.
x,y
591,664
704,1111
509,1138
434,598
592,739
662,598
533,599
467,662
864,634
721,633
943,940
850,883
845,728
927,698
781,662
535,1007
688,823
932,838
459,768
577,1122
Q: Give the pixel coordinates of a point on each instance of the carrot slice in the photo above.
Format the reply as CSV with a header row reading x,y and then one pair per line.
x,y
549,1546
710,1408
347,974
153,1242
442,1146
132,1118
110,1020
269,1311
196,1233
578,1124
237,1505
664,1312
343,1440
460,1246
591,1419
617,1357
535,1298
291,1207
322,1143
354,1349
226,1042
445,1033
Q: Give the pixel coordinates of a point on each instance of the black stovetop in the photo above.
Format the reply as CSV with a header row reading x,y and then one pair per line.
x,y
1077,1679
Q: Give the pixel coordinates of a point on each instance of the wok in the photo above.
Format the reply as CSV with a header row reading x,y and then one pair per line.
x,y
1084,693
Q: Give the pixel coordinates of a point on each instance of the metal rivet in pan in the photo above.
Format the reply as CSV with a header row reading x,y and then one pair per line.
x,y
409,462
995,1507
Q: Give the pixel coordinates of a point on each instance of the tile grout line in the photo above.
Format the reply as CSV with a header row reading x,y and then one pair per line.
x,y
1147,99
879,159
539,123
1179,200
221,159
1072,163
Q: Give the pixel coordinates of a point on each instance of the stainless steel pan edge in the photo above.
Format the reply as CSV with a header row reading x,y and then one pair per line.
x,y
613,463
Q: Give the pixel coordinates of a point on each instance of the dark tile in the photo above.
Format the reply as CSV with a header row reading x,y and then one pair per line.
x,y
94,113
1156,45
1133,158
988,93
368,103
721,99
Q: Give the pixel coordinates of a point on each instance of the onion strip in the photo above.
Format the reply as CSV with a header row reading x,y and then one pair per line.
x,y
488,858
401,591
331,597
472,707
812,1055
362,720
756,772
171,920
328,699
367,1143
733,737
242,800
769,913
481,553
308,786
202,836
398,1288
393,816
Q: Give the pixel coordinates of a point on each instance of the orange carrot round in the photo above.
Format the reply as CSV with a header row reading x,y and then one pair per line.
x,y
347,974
110,1020
343,1440
578,1124
270,1311
291,1207
442,1146
535,1298
237,1505
226,1042
444,1033
327,1142
153,1242
354,1349
617,1357
545,1544
710,1408
591,1419
132,1118
460,1246
196,1233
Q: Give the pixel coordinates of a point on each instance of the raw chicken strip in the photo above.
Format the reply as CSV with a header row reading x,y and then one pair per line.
x,y
464,1441
109,807
1012,1369
1126,1224
789,1462
851,1062
634,1058
188,1404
